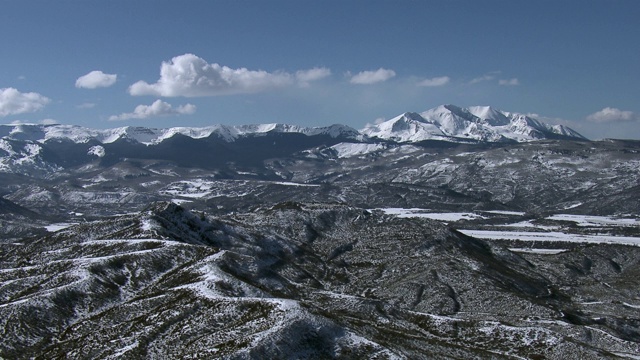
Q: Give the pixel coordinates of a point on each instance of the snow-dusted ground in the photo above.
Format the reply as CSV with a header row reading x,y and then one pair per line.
x,y
544,233
588,220
423,213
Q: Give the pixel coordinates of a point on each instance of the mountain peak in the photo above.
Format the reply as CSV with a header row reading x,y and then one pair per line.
x,y
407,127
479,123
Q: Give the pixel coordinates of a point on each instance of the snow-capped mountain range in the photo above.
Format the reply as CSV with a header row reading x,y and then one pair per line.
x,y
37,150
479,123
152,136
446,122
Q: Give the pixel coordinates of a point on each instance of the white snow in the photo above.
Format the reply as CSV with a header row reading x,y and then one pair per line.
x,y
448,122
423,213
347,150
627,355
631,305
538,251
96,150
572,206
58,226
404,128
504,212
180,201
589,220
286,183
546,235
195,188
124,350
529,224
149,136
552,236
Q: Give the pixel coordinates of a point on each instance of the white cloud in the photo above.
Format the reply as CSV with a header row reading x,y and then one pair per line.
x,y
372,77
314,74
509,82
96,79
190,76
48,122
436,81
14,102
158,108
609,114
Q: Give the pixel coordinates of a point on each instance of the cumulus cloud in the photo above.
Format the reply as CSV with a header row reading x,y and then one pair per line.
x,y
509,82
436,81
96,79
158,108
14,102
372,77
609,114
190,76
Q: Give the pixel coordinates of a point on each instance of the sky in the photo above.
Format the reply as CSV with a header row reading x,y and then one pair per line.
x,y
159,63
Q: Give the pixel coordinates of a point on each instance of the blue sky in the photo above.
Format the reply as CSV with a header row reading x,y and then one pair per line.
x,y
196,63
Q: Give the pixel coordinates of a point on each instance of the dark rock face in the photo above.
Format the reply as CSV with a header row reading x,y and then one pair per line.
x,y
304,280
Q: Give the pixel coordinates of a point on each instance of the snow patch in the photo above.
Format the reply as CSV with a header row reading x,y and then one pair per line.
x,y
552,236
347,150
58,226
285,183
590,220
422,213
538,251
96,150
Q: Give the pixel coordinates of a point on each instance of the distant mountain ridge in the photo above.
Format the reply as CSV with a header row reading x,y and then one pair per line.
x,y
445,122
41,150
153,136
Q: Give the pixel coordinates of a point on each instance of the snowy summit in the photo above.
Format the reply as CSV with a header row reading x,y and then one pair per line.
x,y
477,123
